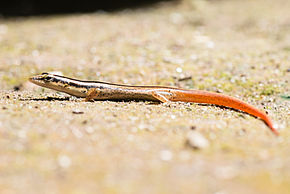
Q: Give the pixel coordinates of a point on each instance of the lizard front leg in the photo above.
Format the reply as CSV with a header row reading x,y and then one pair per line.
x,y
92,94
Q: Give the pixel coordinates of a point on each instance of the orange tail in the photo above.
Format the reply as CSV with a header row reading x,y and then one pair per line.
x,y
223,100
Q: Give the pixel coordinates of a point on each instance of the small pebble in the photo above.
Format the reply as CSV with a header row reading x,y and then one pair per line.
x,y
77,112
64,161
196,140
185,78
17,88
90,130
179,70
165,155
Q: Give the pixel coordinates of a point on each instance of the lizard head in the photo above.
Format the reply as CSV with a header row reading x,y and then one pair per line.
x,y
60,83
44,79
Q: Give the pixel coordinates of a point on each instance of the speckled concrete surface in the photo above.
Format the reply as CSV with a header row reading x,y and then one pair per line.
x,y
54,143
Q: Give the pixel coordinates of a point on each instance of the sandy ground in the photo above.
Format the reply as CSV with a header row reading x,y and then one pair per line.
x,y
54,143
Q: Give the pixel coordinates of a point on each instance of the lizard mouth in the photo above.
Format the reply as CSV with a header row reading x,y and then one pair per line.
x,y
34,79
37,79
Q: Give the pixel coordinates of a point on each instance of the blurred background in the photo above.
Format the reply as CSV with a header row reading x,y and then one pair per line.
x,y
33,7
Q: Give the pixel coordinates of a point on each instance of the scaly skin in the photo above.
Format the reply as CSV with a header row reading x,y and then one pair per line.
x,y
95,90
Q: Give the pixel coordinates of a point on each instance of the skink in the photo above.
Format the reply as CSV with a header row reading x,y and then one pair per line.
x,y
96,90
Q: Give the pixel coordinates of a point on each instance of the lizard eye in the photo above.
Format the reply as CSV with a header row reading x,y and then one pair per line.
x,y
47,78
44,73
